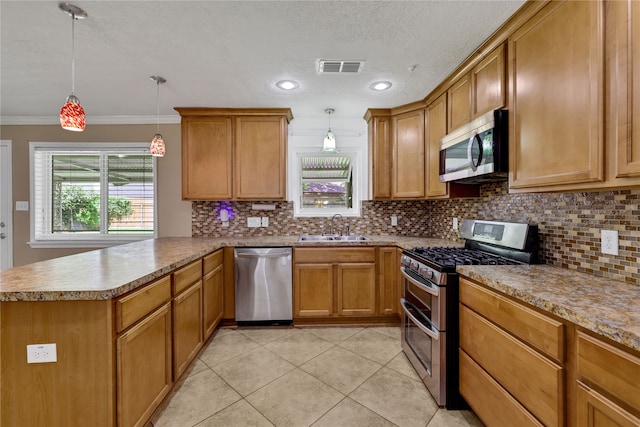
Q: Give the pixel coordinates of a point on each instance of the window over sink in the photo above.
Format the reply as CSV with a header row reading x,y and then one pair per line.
x,y
91,195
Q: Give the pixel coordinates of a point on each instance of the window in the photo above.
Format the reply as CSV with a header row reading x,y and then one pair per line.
x,y
91,195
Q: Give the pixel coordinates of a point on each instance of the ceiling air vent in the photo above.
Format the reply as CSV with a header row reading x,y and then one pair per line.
x,y
337,66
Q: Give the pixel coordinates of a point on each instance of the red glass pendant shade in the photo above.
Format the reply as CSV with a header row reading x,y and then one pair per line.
x,y
72,115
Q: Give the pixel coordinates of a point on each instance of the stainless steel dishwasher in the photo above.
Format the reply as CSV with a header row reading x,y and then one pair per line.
x,y
263,285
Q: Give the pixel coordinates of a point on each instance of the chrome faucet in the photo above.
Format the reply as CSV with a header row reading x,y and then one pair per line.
x,y
332,231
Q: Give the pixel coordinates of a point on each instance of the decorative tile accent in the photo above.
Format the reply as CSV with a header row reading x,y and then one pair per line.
x,y
569,223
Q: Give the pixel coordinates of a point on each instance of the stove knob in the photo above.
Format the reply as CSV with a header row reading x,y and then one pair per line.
x,y
426,273
405,261
414,266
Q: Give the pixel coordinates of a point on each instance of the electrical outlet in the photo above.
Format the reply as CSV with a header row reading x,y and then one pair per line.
x,y
41,353
265,221
394,221
454,225
609,242
254,221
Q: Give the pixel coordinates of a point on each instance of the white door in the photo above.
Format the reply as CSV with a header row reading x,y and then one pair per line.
x,y
6,247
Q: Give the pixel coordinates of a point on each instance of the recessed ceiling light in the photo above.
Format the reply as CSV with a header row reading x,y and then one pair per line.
x,y
288,84
384,85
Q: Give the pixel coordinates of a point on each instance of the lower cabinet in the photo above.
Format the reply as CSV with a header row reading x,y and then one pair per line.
x,y
608,387
212,292
333,283
187,327
505,361
144,374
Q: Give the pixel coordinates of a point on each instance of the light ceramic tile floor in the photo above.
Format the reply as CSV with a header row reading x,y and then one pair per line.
x,y
320,377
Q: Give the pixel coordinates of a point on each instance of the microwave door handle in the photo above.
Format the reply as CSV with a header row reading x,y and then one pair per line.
x,y
472,164
423,328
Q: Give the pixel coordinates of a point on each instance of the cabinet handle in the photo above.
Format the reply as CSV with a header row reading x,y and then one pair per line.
x,y
435,290
473,165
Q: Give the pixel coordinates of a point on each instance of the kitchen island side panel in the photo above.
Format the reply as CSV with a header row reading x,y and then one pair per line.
x,y
77,389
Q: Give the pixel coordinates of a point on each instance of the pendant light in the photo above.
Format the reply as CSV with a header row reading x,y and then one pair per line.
x,y
329,144
157,147
72,114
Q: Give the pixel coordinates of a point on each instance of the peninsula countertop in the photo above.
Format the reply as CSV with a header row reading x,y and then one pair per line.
x,y
110,272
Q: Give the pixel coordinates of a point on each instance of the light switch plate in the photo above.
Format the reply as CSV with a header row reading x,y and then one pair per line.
x,y
265,221
454,225
254,221
41,353
22,206
394,221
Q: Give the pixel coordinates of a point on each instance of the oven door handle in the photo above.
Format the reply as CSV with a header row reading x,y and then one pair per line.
x,y
422,327
429,289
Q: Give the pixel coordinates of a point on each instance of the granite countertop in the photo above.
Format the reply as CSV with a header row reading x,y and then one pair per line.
x,y
107,273
604,306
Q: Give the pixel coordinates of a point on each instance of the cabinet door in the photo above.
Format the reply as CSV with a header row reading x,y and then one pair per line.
x,y
213,299
627,86
435,129
459,97
595,410
388,270
261,162
380,157
313,290
556,88
144,367
408,156
488,83
206,158
187,327
356,289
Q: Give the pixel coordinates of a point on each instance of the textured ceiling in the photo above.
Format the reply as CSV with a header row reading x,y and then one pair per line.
x,y
231,53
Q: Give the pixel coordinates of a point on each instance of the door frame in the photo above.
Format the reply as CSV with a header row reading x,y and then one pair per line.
x,y
6,201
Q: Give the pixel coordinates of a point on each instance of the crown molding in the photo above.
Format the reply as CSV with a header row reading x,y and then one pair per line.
x,y
99,120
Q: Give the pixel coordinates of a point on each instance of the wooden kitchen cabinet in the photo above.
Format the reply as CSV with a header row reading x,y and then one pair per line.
x,y
144,373
556,129
459,103
624,52
527,375
388,270
230,153
334,283
260,157
187,316
144,352
380,153
212,291
488,83
409,163
608,392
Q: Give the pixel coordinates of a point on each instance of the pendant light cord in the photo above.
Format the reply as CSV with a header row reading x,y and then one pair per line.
x,y
73,55
157,106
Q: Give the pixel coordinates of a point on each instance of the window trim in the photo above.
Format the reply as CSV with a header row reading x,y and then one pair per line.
x,y
86,241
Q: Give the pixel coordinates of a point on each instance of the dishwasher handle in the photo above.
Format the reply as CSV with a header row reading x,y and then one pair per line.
x,y
255,255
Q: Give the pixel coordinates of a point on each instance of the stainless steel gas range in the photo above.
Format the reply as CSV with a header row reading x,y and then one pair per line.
x,y
430,297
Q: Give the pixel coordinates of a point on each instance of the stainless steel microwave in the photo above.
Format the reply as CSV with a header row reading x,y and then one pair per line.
x,y
477,152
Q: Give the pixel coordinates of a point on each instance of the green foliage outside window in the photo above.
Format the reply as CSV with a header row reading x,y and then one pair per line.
x,y
80,209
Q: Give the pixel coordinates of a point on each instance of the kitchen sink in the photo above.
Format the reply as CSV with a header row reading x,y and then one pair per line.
x,y
333,238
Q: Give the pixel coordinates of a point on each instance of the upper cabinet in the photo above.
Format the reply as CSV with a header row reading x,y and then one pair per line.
x,y
237,154
459,103
556,89
409,164
435,128
379,121
624,20
488,83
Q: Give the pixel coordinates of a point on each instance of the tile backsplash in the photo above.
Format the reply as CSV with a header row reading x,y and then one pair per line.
x,y
569,223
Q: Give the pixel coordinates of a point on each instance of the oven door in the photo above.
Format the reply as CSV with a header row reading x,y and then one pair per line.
x,y
427,295
424,346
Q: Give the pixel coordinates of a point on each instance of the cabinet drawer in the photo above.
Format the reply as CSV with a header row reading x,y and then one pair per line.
x,y
187,276
537,330
133,307
610,368
333,255
488,399
536,382
211,261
